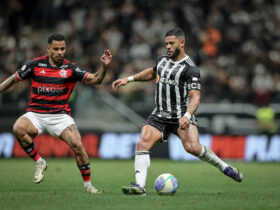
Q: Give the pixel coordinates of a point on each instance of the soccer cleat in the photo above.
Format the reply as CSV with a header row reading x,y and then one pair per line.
x,y
134,189
233,173
40,168
91,189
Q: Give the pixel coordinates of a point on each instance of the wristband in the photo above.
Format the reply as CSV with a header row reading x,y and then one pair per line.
x,y
188,115
130,79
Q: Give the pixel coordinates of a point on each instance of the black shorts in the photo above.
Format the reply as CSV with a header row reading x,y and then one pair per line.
x,y
166,126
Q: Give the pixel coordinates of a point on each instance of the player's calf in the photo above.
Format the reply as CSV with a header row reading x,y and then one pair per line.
x,y
32,152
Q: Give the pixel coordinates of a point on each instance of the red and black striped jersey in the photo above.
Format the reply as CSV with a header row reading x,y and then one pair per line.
x,y
51,86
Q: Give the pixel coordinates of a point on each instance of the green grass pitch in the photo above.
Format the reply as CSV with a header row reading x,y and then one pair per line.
x,y
201,186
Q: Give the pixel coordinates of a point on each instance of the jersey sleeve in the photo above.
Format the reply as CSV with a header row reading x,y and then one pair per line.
x,y
79,74
157,61
26,71
193,78
155,67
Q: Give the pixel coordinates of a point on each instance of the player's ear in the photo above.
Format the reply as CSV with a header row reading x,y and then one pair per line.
x,y
48,48
182,43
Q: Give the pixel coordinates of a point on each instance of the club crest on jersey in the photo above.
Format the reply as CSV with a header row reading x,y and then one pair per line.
x,y
63,73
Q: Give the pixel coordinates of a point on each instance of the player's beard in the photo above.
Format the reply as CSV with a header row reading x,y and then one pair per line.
x,y
175,54
58,59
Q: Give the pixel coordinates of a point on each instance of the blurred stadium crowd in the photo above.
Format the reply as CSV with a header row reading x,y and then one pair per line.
x,y
235,43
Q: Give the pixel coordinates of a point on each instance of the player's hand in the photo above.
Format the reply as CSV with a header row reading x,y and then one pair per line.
x,y
106,58
184,123
120,82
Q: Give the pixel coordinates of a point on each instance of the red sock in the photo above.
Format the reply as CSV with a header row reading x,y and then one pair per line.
x,y
85,171
32,151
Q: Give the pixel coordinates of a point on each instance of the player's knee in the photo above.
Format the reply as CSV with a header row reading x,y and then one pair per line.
x,y
192,148
77,146
19,130
143,144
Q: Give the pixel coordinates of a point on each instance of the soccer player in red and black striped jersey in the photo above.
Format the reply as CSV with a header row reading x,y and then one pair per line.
x,y
53,78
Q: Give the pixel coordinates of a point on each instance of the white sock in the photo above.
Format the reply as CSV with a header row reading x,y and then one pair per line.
x,y
39,160
202,151
209,156
87,183
141,165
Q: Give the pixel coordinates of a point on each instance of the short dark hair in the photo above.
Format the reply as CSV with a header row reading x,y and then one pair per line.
x,y
175,32
56,37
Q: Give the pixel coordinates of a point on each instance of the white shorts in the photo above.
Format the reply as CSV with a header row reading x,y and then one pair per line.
x,y
54,124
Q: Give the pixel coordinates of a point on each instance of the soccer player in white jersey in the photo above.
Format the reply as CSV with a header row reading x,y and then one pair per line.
x,y
177,99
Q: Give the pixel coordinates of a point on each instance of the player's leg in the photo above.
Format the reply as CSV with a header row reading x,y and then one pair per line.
x,y
72,137
149,136
25,131
190,141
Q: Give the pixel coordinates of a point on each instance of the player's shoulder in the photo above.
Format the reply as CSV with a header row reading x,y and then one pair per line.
x,y
65,61
42,58
190,65
188,62
162,57
159,60
75,68
39,61
68,64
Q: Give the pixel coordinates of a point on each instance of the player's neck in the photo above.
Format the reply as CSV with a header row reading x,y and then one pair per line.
x,y
179,57
53,63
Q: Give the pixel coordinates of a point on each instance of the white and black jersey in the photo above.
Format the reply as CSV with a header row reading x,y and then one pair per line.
x,y
174,81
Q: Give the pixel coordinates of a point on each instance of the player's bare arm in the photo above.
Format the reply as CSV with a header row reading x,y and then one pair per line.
x,y
6,84
97,78
146,75
193,105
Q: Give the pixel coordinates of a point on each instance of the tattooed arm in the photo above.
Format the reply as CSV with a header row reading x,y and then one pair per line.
x,y
5,85
146,75
97,78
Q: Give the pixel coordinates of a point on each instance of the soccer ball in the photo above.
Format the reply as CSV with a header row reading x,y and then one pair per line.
x,y
166,184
